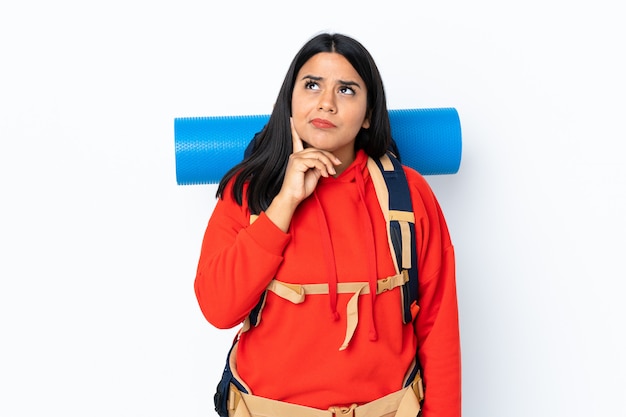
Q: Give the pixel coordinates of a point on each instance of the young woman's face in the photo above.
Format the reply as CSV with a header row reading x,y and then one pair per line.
x,y
329,104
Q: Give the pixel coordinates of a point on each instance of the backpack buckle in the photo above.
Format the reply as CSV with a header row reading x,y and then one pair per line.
x,y
383,285
343,411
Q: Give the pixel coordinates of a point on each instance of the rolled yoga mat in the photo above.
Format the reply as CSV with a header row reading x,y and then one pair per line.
x,y
429,141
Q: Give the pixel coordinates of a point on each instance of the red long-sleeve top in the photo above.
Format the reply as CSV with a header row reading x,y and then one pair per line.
x,y
293,354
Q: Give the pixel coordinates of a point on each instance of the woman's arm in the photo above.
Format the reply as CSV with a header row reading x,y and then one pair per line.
x,y
237,262
437,323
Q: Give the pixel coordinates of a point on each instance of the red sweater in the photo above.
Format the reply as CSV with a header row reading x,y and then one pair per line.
x,y
293,354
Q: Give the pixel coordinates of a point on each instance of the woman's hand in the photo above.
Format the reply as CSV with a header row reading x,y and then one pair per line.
x,y
304,169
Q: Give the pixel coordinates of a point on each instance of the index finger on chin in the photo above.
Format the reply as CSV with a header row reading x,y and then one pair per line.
x,y
295,139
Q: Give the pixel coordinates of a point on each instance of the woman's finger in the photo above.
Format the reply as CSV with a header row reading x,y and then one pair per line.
x,y
306,160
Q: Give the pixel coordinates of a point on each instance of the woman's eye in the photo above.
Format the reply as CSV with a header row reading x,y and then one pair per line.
x,y
346,90
311,85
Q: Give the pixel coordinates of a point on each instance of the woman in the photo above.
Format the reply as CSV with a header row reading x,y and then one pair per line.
x,y
302,209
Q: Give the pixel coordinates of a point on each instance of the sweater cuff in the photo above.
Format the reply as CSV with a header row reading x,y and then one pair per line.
x,y
267,235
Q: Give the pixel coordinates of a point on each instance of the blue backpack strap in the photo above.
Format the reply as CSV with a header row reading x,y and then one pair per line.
x,y
402,233
254,318
229,377
401,228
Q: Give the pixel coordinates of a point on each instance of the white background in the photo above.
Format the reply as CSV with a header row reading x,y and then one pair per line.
x,y
99,244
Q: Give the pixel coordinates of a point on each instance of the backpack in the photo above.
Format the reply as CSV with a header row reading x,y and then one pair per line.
x,y
394,197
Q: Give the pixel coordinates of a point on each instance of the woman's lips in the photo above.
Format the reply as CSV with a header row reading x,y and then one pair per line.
x,y
322,123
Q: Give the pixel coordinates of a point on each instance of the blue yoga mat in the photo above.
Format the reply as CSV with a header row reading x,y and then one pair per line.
x,y
429,140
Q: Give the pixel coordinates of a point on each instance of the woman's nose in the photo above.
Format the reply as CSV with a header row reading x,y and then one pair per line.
x,y
327,101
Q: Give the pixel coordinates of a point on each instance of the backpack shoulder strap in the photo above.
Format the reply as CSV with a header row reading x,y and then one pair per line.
x,y
392,190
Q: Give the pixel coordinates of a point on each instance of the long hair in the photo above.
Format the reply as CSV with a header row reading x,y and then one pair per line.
x,y
264,168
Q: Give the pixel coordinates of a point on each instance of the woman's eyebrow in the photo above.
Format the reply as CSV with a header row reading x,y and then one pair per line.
x,y
350,83
312,77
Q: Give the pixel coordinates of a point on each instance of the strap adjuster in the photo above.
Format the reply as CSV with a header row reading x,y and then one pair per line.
x,y
418,387
384,284
392,282
343,411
